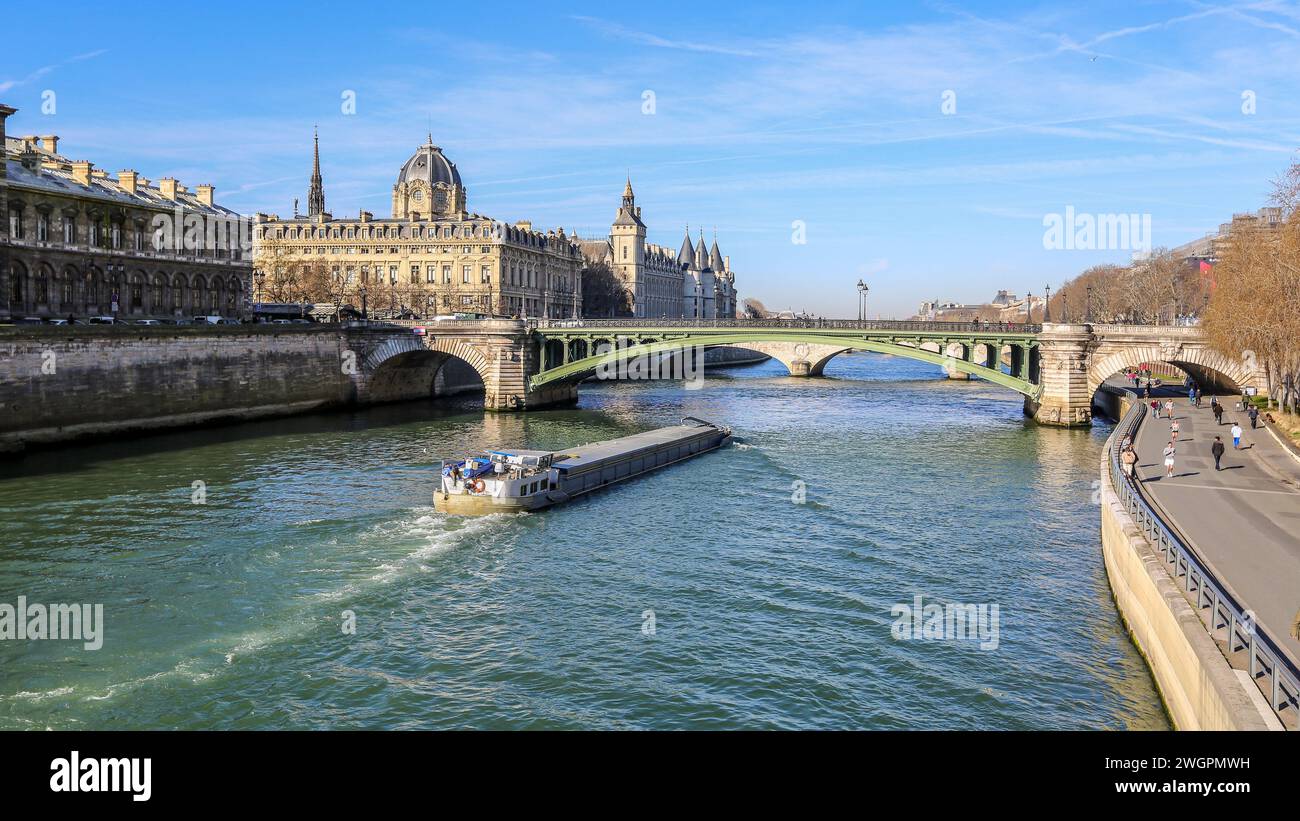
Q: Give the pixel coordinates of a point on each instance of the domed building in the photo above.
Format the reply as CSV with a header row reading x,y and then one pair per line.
x,y
428,186
432,257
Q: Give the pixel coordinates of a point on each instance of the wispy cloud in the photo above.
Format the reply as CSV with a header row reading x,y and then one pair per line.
x,y
6,85
621,32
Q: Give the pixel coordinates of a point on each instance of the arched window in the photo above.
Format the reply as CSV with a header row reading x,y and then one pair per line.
x,y
17,275
135,294
178,293
198,288
91,285
156,294
42,295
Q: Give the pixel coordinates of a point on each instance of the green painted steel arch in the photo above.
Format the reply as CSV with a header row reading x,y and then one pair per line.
x,y
582,368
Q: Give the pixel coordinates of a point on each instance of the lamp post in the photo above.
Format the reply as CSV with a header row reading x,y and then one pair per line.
x,y
1029,309
1087,308
862,300
1047,303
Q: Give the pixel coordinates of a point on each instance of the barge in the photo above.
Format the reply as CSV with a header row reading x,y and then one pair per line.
x,y
522,480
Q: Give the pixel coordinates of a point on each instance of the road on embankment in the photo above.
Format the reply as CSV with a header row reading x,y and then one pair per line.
x,y
1244,519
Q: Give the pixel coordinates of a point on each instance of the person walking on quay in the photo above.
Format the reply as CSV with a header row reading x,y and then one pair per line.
x,y
1169,408
1198,397
1218,413
1253,413
1173,430
1236,436
1128,458
1155,409
1191,395
1217,450
1169,460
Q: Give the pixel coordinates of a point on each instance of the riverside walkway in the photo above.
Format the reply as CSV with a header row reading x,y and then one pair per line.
x,y
1244,520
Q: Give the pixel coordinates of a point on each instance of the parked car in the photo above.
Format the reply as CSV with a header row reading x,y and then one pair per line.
x,y
148,322
29,320
103,320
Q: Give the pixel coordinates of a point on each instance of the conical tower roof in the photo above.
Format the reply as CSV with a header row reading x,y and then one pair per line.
x,y
686,256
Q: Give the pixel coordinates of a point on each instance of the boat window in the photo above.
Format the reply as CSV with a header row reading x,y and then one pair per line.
x,y
523,489
534,490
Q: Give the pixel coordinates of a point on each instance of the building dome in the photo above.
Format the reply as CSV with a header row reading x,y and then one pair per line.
x,y
428,164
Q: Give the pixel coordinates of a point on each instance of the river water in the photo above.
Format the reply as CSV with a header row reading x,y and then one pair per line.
x,y
702,596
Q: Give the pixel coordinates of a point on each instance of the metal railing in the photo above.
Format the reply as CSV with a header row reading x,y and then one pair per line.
x,y
904,325
1228,619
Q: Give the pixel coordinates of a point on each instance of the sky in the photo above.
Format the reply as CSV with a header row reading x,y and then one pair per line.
x,y
919,147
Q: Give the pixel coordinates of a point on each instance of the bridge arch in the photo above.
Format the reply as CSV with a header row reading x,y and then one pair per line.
x,y
420,367
1204,364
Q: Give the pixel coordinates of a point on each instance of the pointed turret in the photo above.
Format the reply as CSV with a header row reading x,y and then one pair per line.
x,y
715,256
316,194
702,253
686,256
629,199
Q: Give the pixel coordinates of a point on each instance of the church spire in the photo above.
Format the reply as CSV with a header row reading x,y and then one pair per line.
x,y
316,194
629,199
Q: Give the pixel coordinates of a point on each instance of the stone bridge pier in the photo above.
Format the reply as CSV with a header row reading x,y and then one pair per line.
x,y
1072,362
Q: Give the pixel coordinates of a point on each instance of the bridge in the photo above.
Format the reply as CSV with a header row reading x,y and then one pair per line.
x,y
528,364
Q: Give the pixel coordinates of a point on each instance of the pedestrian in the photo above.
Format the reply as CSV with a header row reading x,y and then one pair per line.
x,y
1236,436
1169,459
1128,458
1146,392
1173,430
1169,408
1218,414
1253,413
1191,395
1198,397
1155,408
1217,449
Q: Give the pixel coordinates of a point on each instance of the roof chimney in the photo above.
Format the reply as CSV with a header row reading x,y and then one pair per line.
x,y
167,187
50,143
204,193
127,180
81,171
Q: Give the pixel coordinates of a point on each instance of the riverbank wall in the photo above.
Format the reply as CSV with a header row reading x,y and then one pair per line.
x,y
1199,689
58,385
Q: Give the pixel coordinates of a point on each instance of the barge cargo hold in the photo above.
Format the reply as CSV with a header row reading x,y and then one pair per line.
x,y
521,480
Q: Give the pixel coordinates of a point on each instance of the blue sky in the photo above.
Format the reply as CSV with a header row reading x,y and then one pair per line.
x,y
829,114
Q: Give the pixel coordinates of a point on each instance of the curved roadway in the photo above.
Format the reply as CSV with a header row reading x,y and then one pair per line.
x,y
1244,519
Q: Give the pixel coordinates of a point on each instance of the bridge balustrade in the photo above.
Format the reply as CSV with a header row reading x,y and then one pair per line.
x,y
905,325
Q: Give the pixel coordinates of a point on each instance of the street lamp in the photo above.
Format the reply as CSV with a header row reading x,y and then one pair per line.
x,y
862,299
1087,308
1047,303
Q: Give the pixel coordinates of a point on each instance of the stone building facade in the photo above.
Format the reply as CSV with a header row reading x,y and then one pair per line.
x,y
431,257
694,283
76,241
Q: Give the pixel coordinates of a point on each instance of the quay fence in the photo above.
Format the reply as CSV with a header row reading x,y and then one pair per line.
x,y
1228,620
